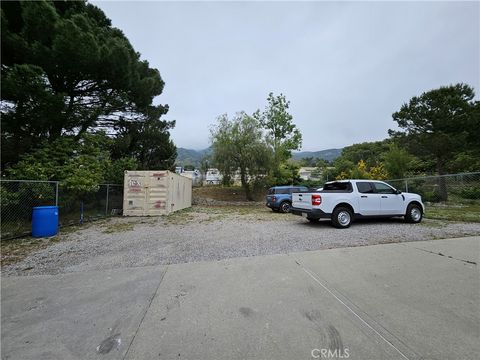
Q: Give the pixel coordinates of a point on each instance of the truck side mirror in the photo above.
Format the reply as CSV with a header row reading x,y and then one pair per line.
x,y
398,192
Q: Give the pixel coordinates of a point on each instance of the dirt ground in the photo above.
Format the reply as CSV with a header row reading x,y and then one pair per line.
x,y
205,233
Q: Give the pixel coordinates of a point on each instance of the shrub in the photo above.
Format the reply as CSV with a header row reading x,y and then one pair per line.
x,y
470,192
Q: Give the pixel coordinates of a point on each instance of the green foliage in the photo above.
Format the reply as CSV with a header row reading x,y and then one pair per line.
x,y
288,174
238,144
45,161
80,165
439,132
468,213
312,184
439,124
361,171
465,161
431,196
397,162
148,141
115,170
370,152
281,133
470,192
307,161
341,165
65,72
205,164
317,173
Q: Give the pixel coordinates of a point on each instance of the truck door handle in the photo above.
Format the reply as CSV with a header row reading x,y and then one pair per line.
x,y
384,197
364,196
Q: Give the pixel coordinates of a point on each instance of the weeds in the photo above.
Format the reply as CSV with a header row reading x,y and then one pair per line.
x,y
466,213
116,227
17,249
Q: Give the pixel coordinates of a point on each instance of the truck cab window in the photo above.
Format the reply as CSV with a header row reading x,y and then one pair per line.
x,y
364,187
383,188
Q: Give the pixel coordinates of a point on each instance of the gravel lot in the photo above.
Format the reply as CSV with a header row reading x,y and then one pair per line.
x,y
213,233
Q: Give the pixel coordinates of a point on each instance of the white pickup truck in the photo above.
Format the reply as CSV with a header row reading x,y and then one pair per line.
x,y
344,200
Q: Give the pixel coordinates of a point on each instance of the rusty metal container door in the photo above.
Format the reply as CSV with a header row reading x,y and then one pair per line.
x,y
153,193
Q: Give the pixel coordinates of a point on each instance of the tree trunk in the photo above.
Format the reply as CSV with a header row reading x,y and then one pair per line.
x,y
442,181
245,185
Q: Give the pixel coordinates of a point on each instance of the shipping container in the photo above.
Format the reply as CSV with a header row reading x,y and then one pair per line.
x,y
152,193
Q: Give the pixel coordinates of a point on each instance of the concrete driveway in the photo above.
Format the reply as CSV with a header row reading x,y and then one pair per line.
x,y
396,301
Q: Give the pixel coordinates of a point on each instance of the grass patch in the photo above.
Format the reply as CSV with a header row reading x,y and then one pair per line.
x,y
16,250
466,213
179,217
434,224
206,214
117,227
227,193
231,209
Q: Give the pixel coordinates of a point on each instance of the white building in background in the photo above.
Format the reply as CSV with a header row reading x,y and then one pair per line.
x,y
194,175
213,177
306,173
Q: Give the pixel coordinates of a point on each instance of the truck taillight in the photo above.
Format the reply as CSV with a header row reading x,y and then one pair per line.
x,y
274,199
316,200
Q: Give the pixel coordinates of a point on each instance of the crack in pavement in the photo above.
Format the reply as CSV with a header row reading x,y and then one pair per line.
x,y
440,254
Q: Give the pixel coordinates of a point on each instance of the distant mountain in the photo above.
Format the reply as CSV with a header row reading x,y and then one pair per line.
x,y
193,157
329,154
190,156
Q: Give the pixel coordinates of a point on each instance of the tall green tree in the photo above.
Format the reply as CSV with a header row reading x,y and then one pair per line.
x,y
80,166
397,161
204,166
148,141
282,134
238,144
65,71
370,152
439,124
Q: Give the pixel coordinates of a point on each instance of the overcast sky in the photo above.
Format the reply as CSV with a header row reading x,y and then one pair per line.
x,y
344,66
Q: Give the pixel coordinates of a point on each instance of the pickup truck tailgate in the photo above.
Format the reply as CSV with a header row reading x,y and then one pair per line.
x,y
302,200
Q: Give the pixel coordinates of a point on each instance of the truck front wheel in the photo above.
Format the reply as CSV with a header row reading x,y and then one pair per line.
x,y
414,213
341,217
285,207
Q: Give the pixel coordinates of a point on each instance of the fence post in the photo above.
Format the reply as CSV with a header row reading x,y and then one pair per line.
x,y
406,185
106,202
56,193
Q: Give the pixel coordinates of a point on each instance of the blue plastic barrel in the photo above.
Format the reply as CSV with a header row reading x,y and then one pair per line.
x,y
44,221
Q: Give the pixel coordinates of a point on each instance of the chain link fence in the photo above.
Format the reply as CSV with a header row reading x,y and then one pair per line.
x,y
74,209
18,197
452,189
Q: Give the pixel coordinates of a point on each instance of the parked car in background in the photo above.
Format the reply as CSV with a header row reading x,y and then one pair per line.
x,y
344,200
279,198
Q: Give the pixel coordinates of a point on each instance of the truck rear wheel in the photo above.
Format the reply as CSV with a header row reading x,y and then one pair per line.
x,y
342,217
